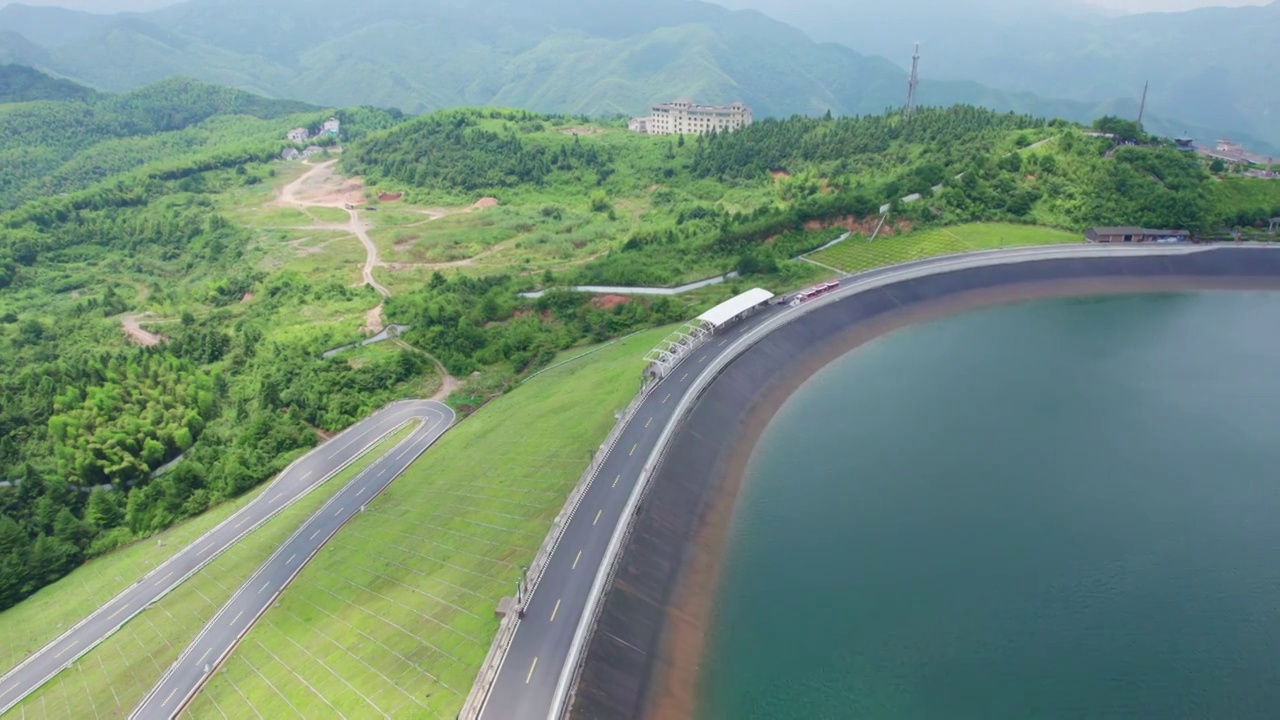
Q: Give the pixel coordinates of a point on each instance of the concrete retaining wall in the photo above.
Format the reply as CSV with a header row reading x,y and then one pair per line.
x,y
618,667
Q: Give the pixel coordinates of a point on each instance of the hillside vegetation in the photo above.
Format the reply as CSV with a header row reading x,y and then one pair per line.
x,y
23,84
233,387
54,147
244,295
574,56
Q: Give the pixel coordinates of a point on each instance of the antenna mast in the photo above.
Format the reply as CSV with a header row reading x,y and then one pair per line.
x,y
1142,109
912,83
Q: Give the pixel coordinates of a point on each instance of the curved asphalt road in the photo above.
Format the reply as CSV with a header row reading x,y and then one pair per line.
x,y
528,682
300,477
221,634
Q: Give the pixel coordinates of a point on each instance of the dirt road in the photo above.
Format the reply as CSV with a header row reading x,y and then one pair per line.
x,y
322,187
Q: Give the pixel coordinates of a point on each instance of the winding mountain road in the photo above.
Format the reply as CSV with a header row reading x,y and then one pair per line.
x,y
295,481
221,634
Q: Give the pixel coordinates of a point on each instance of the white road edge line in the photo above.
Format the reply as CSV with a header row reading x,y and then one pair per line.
x,y
855,285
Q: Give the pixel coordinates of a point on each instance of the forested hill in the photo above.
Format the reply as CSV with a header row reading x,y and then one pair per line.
x,y
22,84
598,57
87,416
985,166
56,146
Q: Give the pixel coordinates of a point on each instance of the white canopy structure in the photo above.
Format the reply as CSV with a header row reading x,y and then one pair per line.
x,y
692,334
720,315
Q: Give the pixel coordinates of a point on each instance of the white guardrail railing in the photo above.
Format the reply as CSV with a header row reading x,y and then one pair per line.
x,y
851,286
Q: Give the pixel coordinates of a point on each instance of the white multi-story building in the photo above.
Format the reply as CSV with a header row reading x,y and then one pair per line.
x,y
684,117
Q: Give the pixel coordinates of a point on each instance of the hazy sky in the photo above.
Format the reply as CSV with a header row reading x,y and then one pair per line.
x,y
1126,5
1164,5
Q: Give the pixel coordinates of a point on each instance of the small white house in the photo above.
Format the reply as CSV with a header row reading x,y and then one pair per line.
x,y
298,135
332,126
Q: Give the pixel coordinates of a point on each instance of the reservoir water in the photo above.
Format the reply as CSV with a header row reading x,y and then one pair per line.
x,y
1055,509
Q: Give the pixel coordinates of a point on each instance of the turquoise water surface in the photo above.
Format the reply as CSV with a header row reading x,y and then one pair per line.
x,y
1056,509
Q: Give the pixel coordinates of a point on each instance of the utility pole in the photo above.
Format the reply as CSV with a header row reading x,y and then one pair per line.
x,y
1142,109
912,83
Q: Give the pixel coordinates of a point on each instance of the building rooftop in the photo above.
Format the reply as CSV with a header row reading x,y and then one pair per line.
x,y
731,308
1119,230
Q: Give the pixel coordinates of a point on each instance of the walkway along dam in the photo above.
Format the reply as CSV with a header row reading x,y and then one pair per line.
x,y
612,654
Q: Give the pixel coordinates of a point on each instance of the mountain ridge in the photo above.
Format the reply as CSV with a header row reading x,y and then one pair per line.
x,y
575,56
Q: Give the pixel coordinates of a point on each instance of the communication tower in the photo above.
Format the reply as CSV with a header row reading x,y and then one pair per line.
x,y
1142,109
912,83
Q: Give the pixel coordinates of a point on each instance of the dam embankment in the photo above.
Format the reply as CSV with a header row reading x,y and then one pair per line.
x,y
642,659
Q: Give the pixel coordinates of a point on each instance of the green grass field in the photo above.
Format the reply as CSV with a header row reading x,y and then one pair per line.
x,y
855,255
398,616
112,678
329,215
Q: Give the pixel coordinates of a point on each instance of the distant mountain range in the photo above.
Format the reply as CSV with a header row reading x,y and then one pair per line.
x,y
1215,69
23,84
582,56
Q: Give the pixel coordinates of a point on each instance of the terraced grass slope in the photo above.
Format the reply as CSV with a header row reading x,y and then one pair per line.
x,y
397,615
855,254
111,679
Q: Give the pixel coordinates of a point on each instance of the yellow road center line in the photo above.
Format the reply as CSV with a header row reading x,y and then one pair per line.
x,y
166,577
555,610
615,480
529,677
575,561
170,698
65,650
237,617
115,613
206,654
264,588
650,422
6,692
703,358
242,521
633,449
291,557
598,514
686,377
314,534
339,512
206,549
665,399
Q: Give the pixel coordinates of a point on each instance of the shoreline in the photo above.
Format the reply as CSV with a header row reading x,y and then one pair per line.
x,y
674,669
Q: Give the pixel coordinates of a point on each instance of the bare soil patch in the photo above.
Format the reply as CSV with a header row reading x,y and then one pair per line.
x,y
865,226
608,302
390,196
485,203
322,187
133,330
373,321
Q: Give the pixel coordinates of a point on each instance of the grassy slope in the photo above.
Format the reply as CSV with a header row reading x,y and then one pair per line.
x,y
397,618
855,254
38,619
113,677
